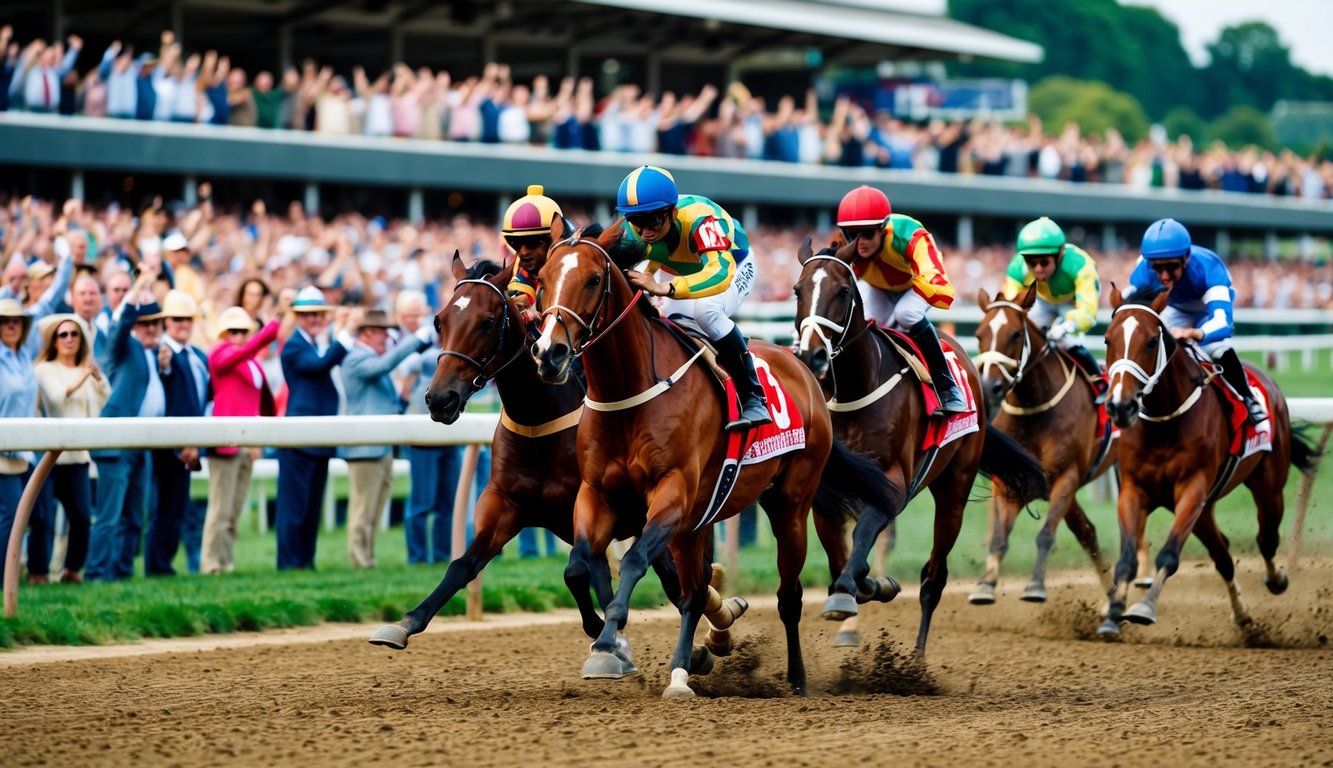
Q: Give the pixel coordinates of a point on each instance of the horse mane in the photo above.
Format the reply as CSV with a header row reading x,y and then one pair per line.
x,y
1143,297
483,269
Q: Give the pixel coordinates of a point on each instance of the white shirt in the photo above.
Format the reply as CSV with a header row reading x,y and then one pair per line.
x,y
155,399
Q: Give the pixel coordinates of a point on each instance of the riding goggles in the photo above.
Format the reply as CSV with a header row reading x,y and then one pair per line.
x,y
519,242
648,220
850,234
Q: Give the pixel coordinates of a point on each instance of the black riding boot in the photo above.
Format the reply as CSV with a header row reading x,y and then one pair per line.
x,y
1090,366
1234,373
734,356
951,396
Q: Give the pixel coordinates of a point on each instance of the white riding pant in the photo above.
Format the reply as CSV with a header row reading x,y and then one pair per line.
x,y
713,313
1179,318
903,309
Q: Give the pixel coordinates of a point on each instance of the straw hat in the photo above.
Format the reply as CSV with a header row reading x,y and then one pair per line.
x,y
179,304
175,242
48,325
234,319
39,269
375,318
149,312
310,299
11,308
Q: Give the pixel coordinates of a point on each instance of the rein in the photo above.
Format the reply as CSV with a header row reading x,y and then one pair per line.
x,y
1132,368
1004,362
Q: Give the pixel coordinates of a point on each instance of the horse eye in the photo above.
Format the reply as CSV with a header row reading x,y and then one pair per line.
x,y
843,292
1153,341
1015,335
594,281
439,327
487,324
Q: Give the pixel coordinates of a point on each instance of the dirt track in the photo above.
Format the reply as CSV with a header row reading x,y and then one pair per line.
x,y
1010,684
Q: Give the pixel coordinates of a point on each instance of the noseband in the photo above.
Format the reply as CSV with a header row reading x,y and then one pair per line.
x,y
816,323
1128,366
1012,370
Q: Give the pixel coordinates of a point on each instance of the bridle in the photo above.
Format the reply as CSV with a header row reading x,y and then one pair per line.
x,y
560,311
1131,367
1012,370
482,366
817,324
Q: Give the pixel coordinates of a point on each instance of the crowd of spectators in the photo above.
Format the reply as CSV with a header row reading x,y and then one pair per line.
x,y
202,87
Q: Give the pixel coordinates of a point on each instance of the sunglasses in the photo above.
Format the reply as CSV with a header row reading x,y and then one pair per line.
x,y
67,335
180,319
650,220
1038,261
1168,266
850,234
519,242
11,321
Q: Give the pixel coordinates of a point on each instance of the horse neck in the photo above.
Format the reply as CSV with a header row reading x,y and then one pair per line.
x,y
525,397
1046,372
1175,385
621,362
863,363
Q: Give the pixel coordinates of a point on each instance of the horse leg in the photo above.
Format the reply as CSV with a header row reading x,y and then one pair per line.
x,y
497,524
1003,513
693,567
1265,485
1086,533
950,493
1189,500
885,544
1211,536
1143,558
633,567
832,535
1062,497
852,586
788,519
1131,511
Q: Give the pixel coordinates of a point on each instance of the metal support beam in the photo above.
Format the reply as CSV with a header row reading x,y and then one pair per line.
x,y
416,205
312,198
965,235
1108,237
76,185
1224,243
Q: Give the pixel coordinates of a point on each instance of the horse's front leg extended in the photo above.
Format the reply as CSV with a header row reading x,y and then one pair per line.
x,y
1131,508
1062,496
1190,497
842,599
587,557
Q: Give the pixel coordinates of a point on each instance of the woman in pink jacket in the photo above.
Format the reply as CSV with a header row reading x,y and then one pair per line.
x,y
240,388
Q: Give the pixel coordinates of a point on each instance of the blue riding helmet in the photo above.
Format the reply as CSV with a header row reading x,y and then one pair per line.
x,y
1165,239
647,188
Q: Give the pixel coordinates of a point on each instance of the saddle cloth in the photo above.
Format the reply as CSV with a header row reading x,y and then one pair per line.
x,y
1247,438
941,430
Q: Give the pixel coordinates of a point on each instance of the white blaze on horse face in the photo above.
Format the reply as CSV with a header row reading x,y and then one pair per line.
x,y
462,302
818,279
544,341
1118,393
567,265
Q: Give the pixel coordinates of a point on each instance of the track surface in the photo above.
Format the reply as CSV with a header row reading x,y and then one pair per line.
x,y
1009,684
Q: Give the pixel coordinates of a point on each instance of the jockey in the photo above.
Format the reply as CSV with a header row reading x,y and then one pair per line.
x,y
1065,275
527,230
1199,305
901,277
706,251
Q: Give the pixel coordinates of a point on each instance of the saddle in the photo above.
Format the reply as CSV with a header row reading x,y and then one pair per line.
x,y
950,426
693,338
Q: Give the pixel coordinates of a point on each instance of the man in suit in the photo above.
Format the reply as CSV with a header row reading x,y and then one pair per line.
x,y
184,372
123,475
307,366
367,380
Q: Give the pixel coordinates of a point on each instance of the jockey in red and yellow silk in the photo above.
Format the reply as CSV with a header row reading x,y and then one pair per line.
x,y
527,230
902,276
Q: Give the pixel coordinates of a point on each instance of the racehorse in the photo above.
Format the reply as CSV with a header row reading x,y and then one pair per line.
x,y
859,368
652,450
534,473
1176,451
1035,395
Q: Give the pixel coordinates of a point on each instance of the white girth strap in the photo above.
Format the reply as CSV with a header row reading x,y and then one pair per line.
x,y
879,392
570,419
646,395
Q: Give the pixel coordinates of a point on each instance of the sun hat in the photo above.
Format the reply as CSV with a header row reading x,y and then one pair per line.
x,y
310,299
234,319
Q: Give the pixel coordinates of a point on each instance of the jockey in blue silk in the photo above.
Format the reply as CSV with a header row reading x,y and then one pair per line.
x,y
1199,305
707,252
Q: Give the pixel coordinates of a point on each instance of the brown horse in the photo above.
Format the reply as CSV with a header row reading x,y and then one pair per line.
x,y
651,446
860,370
1037,397
1174,453
534,474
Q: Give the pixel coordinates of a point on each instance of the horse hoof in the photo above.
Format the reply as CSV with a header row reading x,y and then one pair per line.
x,y
1143,582
1279,585
701,661
839,606
1141,613
604,666
847,638
390,636
881,589
679,688
1035,593
985,595
1109,629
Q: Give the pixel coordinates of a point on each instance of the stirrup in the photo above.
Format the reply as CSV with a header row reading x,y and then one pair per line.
x,y
947,406
1253,411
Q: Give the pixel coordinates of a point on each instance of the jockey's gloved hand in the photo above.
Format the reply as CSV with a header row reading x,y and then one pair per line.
x,y
1061,329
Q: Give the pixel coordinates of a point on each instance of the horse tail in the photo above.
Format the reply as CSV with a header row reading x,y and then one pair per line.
x,y
850,480
1305,452
1004,459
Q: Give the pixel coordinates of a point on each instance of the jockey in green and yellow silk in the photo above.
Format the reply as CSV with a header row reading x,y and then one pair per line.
x,y
1068,291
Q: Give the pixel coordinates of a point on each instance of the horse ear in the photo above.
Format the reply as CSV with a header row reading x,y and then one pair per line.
x,y
805,251
1029,297
983,299
1116,298
1159,301
460,269
557,228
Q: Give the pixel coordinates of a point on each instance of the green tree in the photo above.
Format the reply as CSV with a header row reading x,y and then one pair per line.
x,y
1243,125
1094,106
1185,121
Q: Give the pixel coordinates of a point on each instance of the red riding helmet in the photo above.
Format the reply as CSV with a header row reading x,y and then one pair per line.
x,y
863,207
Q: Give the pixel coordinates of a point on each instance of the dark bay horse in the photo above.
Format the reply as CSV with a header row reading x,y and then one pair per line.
x,y
534,473
878,409
1038,397
651,446
1174,451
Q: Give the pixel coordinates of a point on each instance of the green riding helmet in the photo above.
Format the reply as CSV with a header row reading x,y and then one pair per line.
x,y
1041,237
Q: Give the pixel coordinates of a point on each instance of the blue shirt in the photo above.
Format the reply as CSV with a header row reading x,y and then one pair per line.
x,y
1204,291
155,398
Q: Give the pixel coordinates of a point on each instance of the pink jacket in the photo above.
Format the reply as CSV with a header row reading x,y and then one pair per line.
x,y
234,390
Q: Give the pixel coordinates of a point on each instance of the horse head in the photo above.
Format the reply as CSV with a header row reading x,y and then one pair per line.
x,y
477,327
1138,346
828,304
577,281
1007,340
